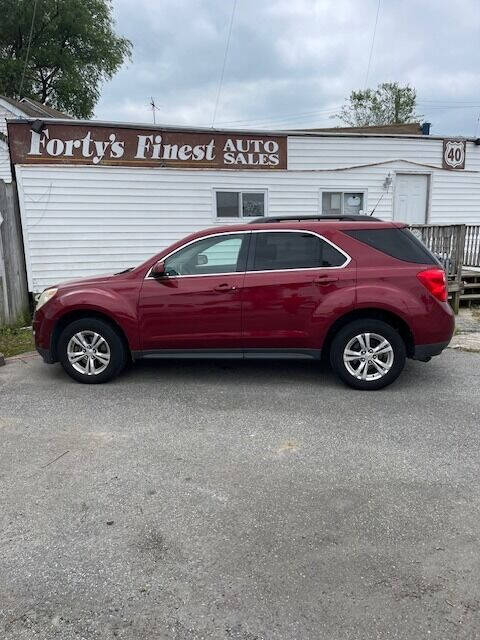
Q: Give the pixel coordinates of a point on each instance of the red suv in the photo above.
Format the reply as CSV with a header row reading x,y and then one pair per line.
x,y
363,293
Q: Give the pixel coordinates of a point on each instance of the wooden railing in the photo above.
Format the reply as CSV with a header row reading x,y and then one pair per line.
x,y
447,243
471,252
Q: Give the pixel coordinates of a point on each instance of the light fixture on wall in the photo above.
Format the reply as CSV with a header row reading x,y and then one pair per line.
x,y
37,126
388,181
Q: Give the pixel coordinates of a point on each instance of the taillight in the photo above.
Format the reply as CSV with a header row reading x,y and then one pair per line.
x,y
435,281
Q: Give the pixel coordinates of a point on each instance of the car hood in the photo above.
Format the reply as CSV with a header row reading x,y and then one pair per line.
x,y
88,280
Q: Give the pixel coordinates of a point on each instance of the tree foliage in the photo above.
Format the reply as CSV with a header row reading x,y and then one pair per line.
x,y
389,103
73,50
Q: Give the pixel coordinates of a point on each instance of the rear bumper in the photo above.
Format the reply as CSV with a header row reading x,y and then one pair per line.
x,y
426,351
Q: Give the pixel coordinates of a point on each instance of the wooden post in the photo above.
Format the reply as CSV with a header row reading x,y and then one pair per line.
x,y
3,309
12,258
458,266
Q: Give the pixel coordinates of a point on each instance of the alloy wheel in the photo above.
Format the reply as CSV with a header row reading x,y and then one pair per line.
x,y
368,356
88,353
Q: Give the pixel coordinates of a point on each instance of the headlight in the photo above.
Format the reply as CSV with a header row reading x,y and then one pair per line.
x,y
45,297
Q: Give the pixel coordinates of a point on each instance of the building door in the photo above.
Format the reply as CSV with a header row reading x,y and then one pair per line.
x,y
411,191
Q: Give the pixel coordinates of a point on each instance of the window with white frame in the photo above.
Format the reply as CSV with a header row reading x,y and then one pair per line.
x,y
347,202
240,204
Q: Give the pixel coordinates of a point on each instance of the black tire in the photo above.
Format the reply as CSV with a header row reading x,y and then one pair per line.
x,y
118,353
355,328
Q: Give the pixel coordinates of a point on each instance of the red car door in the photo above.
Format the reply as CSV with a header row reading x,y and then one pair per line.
x,y
197,304
289,275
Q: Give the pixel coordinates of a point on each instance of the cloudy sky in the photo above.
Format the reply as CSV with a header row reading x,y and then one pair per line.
x,y
291,63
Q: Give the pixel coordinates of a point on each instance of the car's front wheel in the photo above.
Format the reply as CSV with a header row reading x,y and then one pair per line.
x,y
368,354
91,351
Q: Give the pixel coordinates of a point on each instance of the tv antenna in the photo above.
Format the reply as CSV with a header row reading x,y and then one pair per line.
x,y
154,108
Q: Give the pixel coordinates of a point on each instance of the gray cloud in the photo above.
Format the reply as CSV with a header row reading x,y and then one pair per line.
x,y
292,62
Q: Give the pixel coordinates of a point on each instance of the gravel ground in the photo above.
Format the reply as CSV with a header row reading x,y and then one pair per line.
x,y
240,501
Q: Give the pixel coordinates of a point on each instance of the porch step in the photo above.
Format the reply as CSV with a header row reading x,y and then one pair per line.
x,y
471,288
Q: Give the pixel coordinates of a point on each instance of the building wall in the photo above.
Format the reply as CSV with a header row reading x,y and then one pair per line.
x,y
5,171
454,195
79,221
4,114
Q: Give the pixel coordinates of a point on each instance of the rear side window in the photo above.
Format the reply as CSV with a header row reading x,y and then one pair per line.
x,y
289,250
398,243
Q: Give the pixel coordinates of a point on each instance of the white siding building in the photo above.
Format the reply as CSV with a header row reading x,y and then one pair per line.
x,y
82,216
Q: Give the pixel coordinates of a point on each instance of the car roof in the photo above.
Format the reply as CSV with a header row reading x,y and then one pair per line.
x,y
304,224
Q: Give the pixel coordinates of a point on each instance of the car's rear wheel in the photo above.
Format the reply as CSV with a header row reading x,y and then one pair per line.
x,y
368,354
91,351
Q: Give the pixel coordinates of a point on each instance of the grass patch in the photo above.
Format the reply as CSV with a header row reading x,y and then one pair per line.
x,y
14,340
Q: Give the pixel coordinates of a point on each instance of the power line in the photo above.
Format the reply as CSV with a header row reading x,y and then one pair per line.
x,y
28,49
227,45
283,118
373,42
445,108
452,102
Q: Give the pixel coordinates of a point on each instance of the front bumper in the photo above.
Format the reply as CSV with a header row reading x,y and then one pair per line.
x,y
46,355
424,352
42,331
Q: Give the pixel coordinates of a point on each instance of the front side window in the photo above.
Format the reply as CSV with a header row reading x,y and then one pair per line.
x,y
346,202
290,250
240,204
217,254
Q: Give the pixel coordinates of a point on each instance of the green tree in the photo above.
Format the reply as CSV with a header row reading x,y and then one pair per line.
x,y
73,49
389,103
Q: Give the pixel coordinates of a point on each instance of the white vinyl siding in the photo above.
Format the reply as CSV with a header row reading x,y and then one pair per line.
x,y
5,171
84,220
323,152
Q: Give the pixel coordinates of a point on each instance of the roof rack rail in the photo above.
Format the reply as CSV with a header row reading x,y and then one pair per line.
x,y
321,218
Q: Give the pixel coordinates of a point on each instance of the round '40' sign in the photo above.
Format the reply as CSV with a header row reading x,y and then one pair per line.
x,y
453,154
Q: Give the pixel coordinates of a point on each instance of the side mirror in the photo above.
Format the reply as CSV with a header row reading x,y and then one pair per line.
x,y
158,269
202,259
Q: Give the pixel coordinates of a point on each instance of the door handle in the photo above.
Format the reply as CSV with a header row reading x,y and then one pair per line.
x,y
224,287
326,279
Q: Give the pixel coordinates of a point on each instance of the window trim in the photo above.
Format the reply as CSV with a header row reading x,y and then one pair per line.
x,y
342,190
348,258
240,191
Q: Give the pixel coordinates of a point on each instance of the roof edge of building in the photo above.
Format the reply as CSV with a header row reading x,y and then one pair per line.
x,y
254,132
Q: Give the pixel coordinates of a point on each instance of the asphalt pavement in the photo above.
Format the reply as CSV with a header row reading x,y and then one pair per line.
x,y
240,501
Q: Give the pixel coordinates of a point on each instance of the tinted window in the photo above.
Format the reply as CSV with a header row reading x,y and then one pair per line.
x,y
217,254
240,204
253,205
398,243
285,250
227,204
